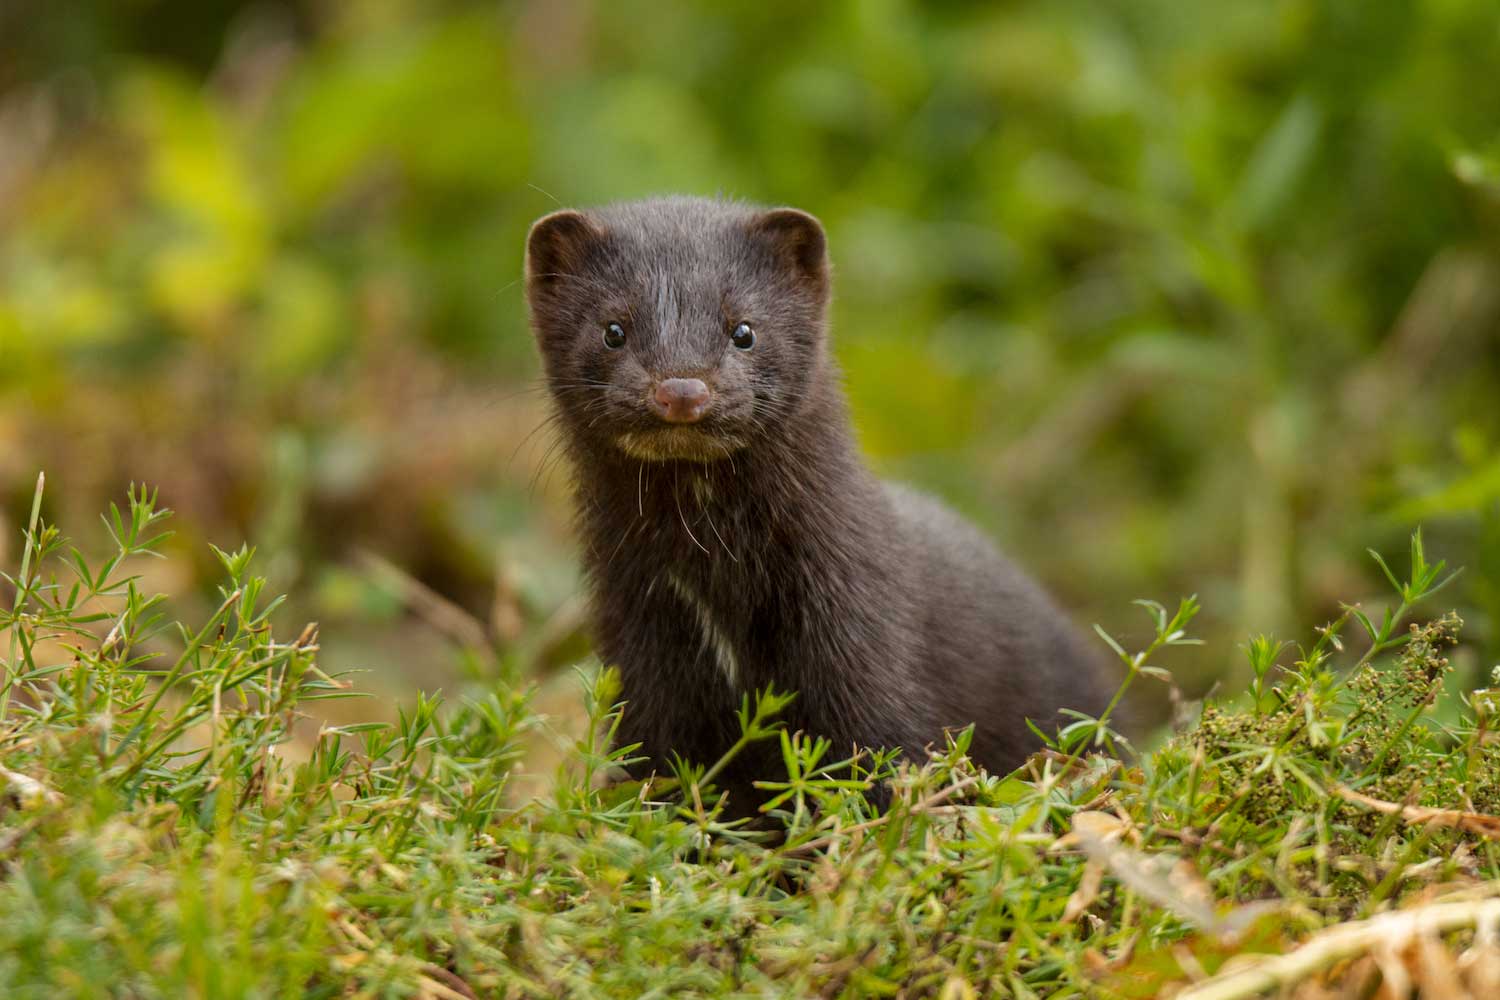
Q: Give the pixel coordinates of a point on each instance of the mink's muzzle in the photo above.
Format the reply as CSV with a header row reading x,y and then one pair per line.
x,y
678,418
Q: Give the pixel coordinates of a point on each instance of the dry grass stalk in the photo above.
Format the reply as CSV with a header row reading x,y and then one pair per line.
x,y
1480,823
1405,945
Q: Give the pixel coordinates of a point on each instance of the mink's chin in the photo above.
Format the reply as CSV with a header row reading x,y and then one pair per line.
x,y
681,444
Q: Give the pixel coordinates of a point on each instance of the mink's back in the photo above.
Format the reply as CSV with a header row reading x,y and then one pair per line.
x,y
992,640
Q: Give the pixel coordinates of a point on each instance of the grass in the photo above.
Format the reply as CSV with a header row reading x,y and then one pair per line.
x,y
158,836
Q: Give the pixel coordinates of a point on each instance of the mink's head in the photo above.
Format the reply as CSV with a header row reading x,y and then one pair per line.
x,y
678,329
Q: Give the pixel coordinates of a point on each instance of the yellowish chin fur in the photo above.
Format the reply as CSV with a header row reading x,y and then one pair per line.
x,y
677,444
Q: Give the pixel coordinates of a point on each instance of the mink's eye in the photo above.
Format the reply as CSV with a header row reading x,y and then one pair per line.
x,y
614,336
742,337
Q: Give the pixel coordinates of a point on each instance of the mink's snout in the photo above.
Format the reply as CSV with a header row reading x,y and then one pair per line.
x,y
681,400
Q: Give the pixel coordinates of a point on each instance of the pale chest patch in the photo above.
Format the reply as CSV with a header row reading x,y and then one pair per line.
x,y
714,639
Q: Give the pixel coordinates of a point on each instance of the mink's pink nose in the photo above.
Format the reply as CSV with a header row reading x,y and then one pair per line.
x,y
681,400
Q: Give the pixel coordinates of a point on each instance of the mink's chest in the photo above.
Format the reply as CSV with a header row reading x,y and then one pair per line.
x,y
741,616
727,580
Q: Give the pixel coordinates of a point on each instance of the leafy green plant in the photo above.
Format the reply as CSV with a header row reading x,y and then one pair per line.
x,y
173,822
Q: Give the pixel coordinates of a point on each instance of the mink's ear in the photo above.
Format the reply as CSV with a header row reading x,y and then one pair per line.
x,y
798,243
557,246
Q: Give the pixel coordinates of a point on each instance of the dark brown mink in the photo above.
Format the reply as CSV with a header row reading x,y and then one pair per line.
x,y
732,537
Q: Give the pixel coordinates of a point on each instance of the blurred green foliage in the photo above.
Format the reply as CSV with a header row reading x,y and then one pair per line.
x,y
1170,297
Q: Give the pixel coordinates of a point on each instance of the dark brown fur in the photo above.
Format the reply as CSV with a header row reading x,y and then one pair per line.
x,y
755,548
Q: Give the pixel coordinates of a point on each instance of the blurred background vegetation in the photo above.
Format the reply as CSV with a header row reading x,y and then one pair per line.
x,y
1170,297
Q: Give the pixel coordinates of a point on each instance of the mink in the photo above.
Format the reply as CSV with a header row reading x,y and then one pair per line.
x,y
733,539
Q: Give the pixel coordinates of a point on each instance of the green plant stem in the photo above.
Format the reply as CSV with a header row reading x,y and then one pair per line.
x,y
23,588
